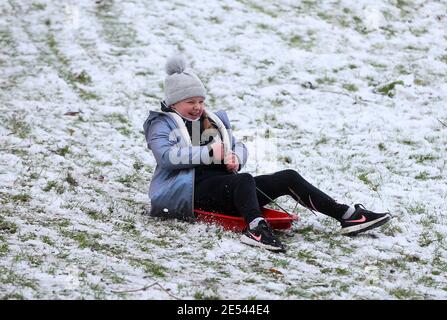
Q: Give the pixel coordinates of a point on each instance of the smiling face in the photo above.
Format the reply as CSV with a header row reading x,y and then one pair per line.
x,y
191,108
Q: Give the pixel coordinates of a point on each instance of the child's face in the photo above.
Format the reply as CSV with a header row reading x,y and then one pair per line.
x,y
191,108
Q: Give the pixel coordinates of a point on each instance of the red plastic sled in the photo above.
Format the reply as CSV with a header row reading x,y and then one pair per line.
x,y
276,219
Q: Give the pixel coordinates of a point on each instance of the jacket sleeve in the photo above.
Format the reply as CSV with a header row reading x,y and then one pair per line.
x,y
237,147
168,153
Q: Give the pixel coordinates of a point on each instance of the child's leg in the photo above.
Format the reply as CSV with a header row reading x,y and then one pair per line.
x,y
289,182
229,194
236,193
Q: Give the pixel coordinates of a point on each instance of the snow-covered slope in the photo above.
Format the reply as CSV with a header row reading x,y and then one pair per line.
x,y
352,93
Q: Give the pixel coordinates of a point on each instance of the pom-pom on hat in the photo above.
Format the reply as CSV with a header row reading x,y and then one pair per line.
x,y
181,82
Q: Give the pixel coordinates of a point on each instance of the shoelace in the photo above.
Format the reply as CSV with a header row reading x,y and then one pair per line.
x,y
363,207
268,228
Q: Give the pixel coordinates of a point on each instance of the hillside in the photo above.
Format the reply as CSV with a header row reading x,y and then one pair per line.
x,y
351,93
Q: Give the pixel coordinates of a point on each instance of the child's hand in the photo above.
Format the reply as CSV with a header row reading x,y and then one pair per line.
x,y
218,150
232,162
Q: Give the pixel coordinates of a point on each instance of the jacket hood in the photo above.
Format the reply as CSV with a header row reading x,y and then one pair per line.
x,y
153,115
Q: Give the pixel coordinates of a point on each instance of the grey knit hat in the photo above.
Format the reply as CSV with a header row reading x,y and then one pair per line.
x,y
181,83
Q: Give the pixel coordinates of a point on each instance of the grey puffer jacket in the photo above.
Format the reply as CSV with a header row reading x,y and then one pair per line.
x,y
171,190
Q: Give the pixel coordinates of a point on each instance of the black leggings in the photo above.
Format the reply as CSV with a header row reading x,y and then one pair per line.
x,y
237,194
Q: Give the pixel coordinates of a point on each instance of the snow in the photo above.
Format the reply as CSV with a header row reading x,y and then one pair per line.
x,y
73,188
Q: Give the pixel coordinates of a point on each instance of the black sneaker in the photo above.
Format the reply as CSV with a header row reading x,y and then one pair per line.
x,y
262,236
363,220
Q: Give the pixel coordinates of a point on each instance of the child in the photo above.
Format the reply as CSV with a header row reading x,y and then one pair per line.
x,y
198,161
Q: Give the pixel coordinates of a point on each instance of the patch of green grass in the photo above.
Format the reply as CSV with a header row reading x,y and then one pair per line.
x,y
114,277
215,20
144,74
405,293
18,126
129,180
439,264
6,38
296,41
364,178
158,242
59,188
8,276
266,62
117,117
296,291
396,263
281,262
421,158
417,208
47,240
150,267
428,281
98,291
262,26
391,230
102,163
84,239
34,176
326,80
51,41
119,34
87,95
94,214
62,223
408,142
416,48
305,255
250,280
388,31
422,176
378,65
34,260
20,152
389,88
359,26
421,82
350,87
137,165
322,140
129,227
402,69
4,248
62,151
38,6
254,6
199,295
70,180
425,239
82,77
124,131
21,197
12,296
208,245
324,16
342,272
